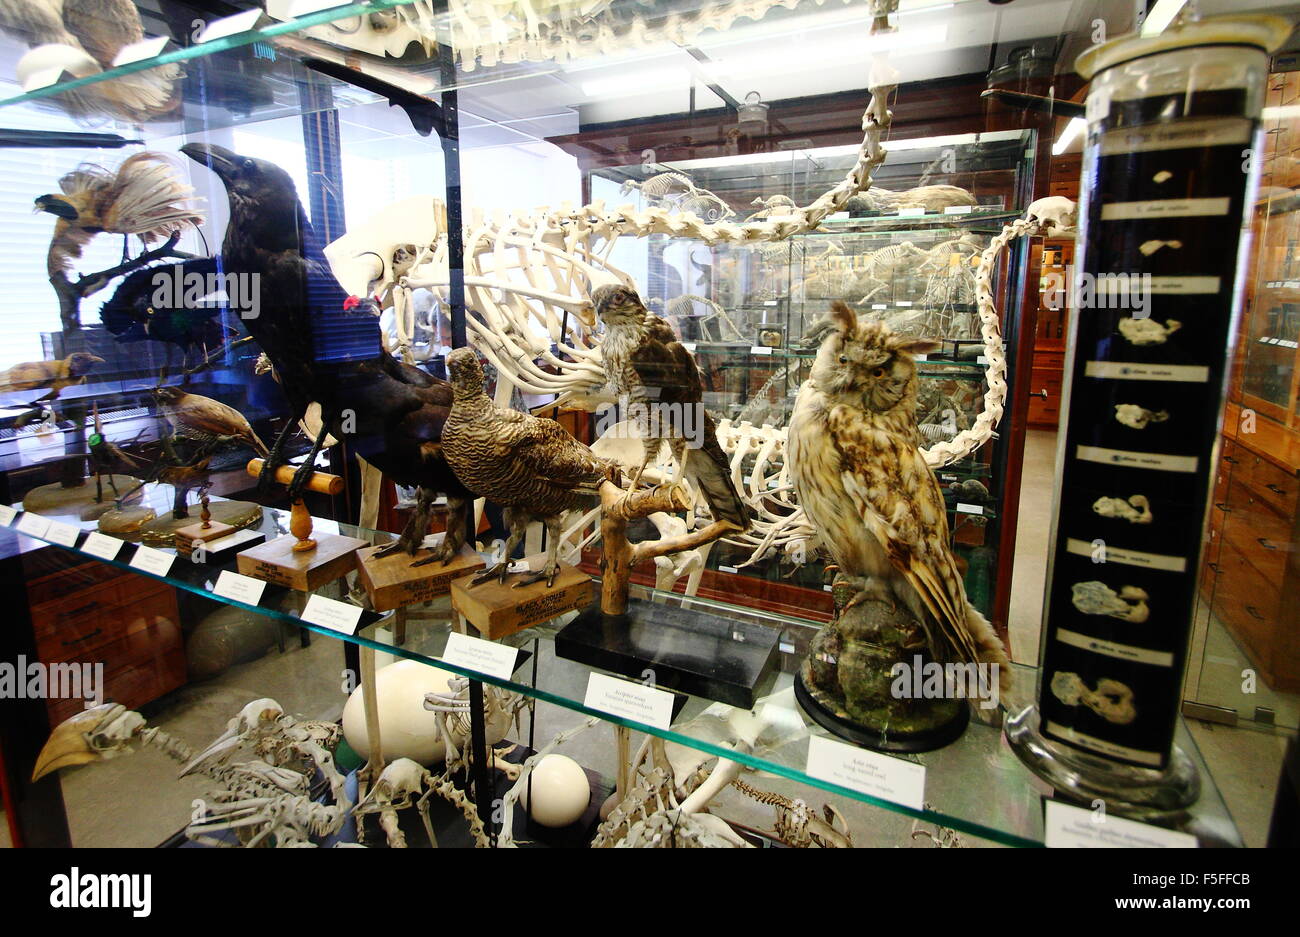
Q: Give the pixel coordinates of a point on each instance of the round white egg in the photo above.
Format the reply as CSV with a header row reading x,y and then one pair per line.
x,y
560,791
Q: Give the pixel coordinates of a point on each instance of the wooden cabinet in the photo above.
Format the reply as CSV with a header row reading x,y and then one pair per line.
x,y
1047,377
98,614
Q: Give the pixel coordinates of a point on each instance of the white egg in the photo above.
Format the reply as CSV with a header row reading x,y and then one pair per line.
x,y
406,728
560,791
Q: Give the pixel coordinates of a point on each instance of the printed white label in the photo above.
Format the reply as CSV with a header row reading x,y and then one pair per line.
x,y
1069,827
644,704
65,535
495,660
969,508
332,614
1182,286
232,585
785,648
760,350
904,303
139,51
1136,371
689,346
958,209
7,514
910,212
879,306
149,560
1174,564
920,357
1151,460
33,524
1177,135
1114,649
892,779
1083,740
101,545
769,302
1165,208
728,569
982,359
229,26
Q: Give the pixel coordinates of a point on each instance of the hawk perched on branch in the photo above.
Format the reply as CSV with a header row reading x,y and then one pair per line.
x,y
658,380
857,464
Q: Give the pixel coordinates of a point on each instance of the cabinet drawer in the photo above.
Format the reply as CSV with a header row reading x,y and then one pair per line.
x,y
91,618
1050,361
1247,602
1257,532
132,685
1274,485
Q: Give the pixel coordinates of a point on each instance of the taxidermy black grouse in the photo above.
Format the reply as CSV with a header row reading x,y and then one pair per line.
x,y
324,346
530,465
135,314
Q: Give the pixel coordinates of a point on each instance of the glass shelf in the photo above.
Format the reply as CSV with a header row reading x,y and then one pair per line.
x,y
1006,808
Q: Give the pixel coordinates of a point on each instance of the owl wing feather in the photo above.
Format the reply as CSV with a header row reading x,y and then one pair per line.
x,y
908,518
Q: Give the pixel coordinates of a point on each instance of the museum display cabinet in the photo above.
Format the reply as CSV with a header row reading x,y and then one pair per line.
x,y
276,504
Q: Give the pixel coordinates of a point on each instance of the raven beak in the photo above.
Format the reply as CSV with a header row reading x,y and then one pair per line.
x,y
220,160
57,206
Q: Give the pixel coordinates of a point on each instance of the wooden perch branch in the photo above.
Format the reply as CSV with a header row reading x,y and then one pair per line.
x,y
619,556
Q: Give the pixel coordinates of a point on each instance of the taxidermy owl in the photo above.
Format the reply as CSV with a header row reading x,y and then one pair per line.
x,y
857,464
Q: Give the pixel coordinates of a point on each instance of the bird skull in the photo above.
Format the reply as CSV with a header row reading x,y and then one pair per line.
x,y
100,732
398,785
1054,213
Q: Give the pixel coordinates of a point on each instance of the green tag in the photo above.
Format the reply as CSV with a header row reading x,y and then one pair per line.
x,y
96,439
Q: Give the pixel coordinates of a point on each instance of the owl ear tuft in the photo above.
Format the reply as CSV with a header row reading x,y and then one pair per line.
x,y
842,318
917,346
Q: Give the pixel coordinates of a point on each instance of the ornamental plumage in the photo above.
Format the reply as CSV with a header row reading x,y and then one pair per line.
x,y
657,378
529,465
862,479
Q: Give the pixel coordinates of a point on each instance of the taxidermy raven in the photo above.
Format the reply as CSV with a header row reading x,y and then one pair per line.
x,y
139,310
324,346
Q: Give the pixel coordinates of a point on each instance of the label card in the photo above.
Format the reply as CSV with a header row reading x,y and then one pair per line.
x,y
970,508
7,514
760,350
101,545
332,614
232,585
958,209
495,660
1067,826
33,524
139,51
689,346
229,26
645,704
65,535
869,772
152,561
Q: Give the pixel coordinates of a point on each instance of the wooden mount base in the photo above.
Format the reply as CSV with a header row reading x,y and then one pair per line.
x,y
391,581
215,530
497,609
277,562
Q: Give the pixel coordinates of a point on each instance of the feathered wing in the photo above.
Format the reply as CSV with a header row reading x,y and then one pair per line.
x,y
553,455
663,363
908,518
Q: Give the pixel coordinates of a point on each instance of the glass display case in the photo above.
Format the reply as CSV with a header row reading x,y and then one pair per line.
x,y
238,533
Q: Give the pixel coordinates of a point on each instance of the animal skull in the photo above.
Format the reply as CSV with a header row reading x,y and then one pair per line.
x,y
1056,213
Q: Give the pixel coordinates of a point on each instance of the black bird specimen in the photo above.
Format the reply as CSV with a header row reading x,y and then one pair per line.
x,y
326,349
658,379
529,465
139,310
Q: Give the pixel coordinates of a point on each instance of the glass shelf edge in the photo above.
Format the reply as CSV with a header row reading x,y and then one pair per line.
x,y
225,43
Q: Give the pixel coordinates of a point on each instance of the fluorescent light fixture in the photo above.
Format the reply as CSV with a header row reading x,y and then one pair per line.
x,y
623,85
1075,127
1161,15
849,149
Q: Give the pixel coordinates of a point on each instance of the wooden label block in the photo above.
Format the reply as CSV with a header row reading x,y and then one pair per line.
x,y
391,581
186,536
497,610
277,563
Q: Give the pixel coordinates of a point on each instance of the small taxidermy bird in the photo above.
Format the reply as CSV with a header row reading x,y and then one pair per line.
x,y
107,458
205,422
143,196
51,376
856,460
529,465
83,38
658,378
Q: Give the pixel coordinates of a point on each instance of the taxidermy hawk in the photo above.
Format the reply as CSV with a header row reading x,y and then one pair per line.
x,y
654,374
